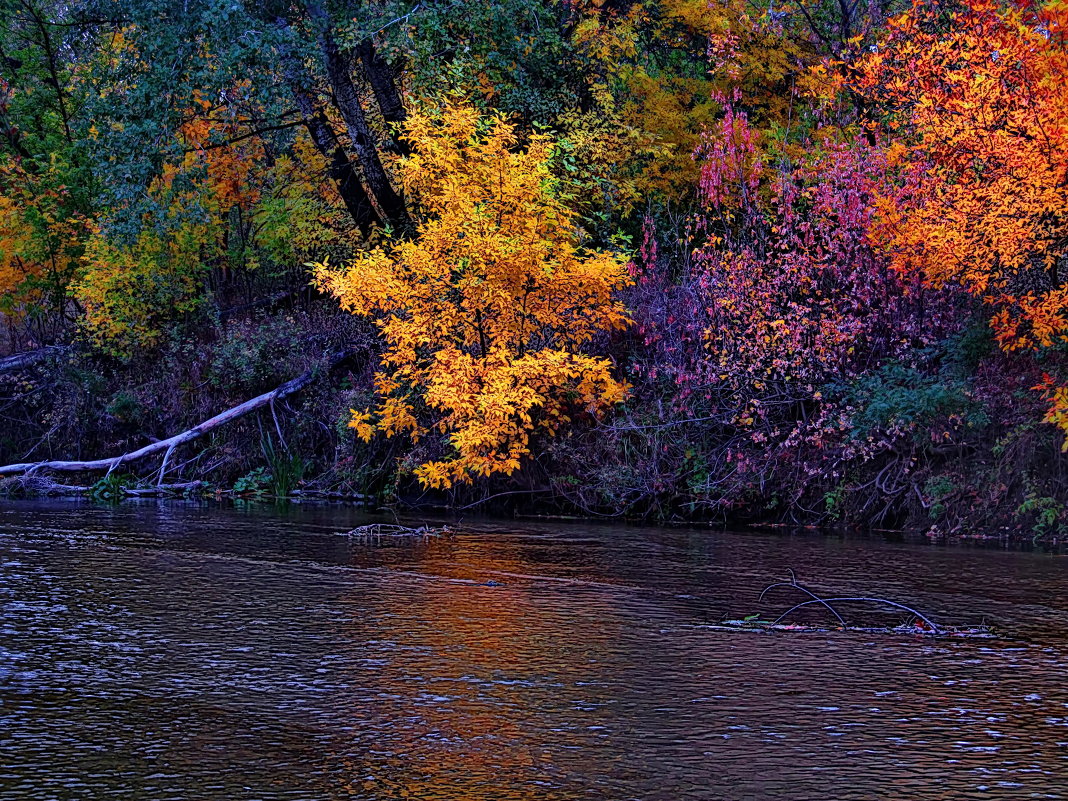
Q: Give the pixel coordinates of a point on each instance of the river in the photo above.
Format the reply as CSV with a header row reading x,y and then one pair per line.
x,y
202,652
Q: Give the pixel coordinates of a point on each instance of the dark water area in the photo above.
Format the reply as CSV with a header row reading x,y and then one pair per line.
x,y
179,652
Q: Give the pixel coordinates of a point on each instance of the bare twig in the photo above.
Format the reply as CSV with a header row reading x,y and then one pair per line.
x,y
793,583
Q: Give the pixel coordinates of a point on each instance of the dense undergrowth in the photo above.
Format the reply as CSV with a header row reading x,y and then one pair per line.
x,y
946,445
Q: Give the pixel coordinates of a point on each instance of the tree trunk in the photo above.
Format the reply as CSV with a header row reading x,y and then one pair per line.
x,y
390,203
341,169
380,77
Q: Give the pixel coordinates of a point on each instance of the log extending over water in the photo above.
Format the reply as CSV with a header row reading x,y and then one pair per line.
x,y
167,446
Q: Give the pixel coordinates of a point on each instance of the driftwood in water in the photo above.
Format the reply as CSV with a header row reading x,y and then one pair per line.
x,y
167,446
912,629
373,532
920,622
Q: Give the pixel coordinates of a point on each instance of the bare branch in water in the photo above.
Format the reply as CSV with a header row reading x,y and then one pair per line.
x,y
861,599
793,583
378,531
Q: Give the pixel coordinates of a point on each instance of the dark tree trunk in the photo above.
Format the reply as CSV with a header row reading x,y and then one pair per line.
x,y
342,170
380,77
348,183
347,99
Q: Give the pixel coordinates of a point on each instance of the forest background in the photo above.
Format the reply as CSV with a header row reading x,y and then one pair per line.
x,y
798,262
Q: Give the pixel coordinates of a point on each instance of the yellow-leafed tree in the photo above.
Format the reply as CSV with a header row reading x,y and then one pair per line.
x,y
485,310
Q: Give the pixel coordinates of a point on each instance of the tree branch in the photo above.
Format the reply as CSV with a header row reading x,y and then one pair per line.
x,y
169,444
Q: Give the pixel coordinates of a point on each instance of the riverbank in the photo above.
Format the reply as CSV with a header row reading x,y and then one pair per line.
x,y
937,468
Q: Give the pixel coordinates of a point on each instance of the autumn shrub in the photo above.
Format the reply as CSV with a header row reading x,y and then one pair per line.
x,y
485,311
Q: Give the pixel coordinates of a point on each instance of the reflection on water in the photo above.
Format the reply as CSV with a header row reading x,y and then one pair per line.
x,y
205,653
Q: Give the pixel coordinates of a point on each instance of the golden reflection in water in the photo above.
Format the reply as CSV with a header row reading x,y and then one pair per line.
x,y
455,698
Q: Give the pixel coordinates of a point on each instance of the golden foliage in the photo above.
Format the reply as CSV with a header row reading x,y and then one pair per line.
x,y
41,234
128,292
484,311
216,205
15,240
669,65
1057,396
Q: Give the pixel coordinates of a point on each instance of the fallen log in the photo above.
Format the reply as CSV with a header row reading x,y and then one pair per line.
x,y
167,446
20,361
37,486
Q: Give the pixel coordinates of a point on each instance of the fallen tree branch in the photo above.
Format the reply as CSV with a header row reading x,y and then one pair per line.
x,y
28,358
169,444
31,486
826,603
863,599
793,583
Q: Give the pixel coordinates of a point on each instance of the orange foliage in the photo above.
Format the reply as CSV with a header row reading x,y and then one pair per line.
x,y
976,108
1058,404
41,234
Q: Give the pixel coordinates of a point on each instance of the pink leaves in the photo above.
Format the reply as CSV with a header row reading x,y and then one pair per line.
x,y
731,166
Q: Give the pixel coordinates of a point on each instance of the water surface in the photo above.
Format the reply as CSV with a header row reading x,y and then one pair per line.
x,y
181,652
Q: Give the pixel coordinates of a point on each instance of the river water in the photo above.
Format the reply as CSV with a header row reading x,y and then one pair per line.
x,y
183,652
